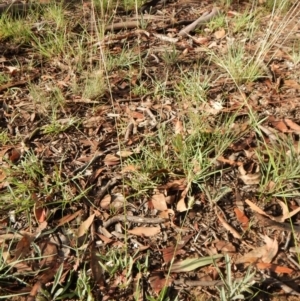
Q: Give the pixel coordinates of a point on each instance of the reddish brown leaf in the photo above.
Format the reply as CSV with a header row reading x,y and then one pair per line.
x,y
170,252
292,125
279,125
175,185
40,213
14,155
158,281
274,268
291,84
242,218
225,246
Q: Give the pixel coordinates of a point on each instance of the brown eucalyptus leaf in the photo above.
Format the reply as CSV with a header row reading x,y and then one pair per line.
x,y
145,231
83,228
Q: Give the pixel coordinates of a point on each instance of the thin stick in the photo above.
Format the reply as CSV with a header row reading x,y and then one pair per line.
x,y
205,18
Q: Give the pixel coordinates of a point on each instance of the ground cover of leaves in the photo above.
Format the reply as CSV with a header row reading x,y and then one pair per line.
x,y
141,159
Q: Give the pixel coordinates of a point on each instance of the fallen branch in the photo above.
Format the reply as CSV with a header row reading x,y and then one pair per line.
x,y
205,18
122,25
268,223
19,83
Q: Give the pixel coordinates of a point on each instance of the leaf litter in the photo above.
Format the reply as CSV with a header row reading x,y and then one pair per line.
x,y
124,175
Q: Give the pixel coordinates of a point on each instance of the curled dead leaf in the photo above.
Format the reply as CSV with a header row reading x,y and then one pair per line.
x,y
249,179
181,206
111,160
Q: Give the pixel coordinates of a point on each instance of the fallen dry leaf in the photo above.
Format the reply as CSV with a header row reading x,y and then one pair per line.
x,y
83,228
228,227
124,153
158,281
111,160
40,213
105,202
285,212
219,34
178,128
181,206
129,168
145,231
225,246
175,185
265,253
49,252
159,202
242,218
14,155
169,213
291,84
68,218
271,249
274,268
256,208
292,125
170,252
279,125
2,175
23,246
